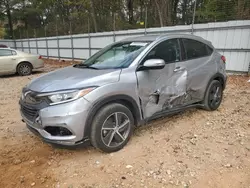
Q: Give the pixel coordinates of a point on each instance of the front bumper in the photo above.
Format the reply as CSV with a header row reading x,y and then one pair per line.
x,y
83,142
71,116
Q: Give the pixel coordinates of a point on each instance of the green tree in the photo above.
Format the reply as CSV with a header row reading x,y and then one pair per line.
x,y
216,10
30,18
6,6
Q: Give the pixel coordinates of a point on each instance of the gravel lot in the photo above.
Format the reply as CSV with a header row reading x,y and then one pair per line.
x,y
193,149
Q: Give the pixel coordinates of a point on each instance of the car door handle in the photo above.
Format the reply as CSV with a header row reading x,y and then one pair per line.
x,y
13,58
177,69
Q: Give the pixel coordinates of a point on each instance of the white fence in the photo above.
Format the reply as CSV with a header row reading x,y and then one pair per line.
x,y
230,38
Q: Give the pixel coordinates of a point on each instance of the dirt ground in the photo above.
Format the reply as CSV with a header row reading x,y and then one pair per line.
x,y
196,148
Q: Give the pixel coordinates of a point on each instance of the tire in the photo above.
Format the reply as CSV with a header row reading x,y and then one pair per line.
x,y
24,69
213,96
107,135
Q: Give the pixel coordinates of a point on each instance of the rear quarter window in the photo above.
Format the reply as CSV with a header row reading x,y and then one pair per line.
x,y
195,49
209,50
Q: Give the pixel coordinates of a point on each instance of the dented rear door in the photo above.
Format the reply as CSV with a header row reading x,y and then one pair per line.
x,y
201,66
162,89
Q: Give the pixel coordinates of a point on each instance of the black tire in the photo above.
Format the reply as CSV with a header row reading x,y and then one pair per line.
x,y
213,96
24,69
105,119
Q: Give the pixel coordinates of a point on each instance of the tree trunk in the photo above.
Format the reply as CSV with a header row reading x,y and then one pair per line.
x,y
9,18
25,17
93,15
174,15
114,20
159,12
141,10
184,12
168,14
130,12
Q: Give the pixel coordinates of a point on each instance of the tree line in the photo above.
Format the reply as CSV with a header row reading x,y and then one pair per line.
x,y
39,18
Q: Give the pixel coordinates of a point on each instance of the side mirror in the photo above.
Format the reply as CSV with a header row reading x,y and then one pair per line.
x,y
153,64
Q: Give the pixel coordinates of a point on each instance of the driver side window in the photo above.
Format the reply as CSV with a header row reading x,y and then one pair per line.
x,y
168,50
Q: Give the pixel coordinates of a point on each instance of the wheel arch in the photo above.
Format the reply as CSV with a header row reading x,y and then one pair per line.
x,y
221,78
125,100
218,76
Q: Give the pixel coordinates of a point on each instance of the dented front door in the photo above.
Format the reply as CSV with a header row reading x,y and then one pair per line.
x,y
165,88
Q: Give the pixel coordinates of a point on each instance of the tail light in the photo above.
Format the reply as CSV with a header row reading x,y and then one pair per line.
x,y
40,57
223,58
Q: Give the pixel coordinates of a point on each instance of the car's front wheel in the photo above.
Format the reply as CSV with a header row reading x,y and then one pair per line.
x,y
112,127
213,96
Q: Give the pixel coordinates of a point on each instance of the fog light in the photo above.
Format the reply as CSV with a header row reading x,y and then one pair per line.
x,y
58,131
38,120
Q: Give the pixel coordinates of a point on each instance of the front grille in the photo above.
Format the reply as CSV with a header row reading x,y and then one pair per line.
x,y
29,113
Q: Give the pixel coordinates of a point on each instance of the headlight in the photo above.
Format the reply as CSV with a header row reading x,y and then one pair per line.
x,y
66,96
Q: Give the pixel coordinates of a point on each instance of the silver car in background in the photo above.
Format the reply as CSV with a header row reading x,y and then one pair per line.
x,y
13,61
122,86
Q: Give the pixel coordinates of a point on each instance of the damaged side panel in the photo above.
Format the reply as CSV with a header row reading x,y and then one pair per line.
x,y
199,73
161,89
178,95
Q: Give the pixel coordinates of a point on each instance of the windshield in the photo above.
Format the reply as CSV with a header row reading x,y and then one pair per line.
x,y
119,55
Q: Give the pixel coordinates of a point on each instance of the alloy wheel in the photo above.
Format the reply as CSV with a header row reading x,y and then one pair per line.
x,y
115,129
24,69
215,95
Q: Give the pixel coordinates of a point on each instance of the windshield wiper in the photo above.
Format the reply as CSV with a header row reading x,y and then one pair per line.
x,y
84,66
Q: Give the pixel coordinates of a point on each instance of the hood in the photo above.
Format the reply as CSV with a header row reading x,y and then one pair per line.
x,y
71,78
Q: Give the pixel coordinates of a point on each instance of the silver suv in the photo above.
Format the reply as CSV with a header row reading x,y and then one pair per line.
x,y
124,85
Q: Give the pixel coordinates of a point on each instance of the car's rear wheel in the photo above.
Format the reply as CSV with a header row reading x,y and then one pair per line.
x,y
112,127
213,96
24,69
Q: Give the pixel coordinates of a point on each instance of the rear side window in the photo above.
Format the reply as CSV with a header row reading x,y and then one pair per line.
x,y
195,49
5,52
